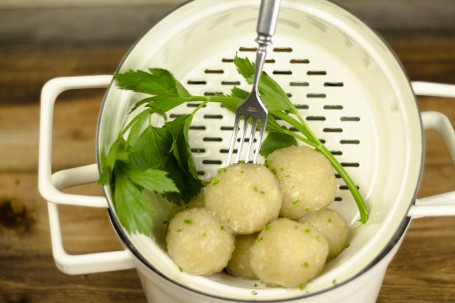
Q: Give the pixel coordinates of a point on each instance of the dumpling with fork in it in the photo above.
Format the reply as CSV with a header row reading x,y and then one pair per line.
x,y
245,196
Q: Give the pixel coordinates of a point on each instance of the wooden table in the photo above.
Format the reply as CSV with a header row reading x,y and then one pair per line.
x,y
37,45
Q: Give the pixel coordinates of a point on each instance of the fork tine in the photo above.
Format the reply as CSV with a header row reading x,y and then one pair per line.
x,y
233,139
261,133
242,139
251,140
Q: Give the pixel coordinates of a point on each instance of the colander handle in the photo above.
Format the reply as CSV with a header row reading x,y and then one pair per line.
x,y
51,185
442,204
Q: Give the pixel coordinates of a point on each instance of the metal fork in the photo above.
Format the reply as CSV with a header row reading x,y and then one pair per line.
x,y
253,108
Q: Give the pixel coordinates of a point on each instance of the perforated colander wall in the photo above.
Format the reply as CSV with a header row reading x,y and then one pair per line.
x,y
326,100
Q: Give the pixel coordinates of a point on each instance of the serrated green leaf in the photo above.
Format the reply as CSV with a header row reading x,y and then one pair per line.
x,y
132,207
275,141
181,150
239,93
166,103
188,185
153,146
156,81
153,180
119,151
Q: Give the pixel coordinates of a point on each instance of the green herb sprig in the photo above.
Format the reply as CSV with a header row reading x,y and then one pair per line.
x,y
159,158
279,106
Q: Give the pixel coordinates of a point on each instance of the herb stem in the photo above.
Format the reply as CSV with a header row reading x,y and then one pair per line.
x,y
134,120
349,183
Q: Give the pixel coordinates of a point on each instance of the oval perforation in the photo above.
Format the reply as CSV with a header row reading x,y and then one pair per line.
x,y
299,84
316,73
333,107
230,83
214,71
282,72
316,96
196,82
299,61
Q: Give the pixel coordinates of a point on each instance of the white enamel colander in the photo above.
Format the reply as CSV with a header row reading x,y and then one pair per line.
x,y
347,84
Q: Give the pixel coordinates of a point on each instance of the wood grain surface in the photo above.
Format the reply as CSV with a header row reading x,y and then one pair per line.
x,y
39,44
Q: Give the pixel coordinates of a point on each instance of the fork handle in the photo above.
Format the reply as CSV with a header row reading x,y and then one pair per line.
x,y
268,16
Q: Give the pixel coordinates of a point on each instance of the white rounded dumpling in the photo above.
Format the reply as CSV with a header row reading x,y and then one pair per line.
x,y
307,180
240,265
289,254
245,196
332,226
198,242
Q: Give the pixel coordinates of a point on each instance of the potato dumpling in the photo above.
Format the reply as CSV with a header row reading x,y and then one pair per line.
x,y
289,254
198,242
239,265
307,180
245,196
332,226
197,201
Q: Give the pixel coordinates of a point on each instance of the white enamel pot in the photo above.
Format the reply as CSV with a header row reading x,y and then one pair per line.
x,y
344,80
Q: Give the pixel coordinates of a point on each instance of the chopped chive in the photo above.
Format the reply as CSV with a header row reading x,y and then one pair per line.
x,y
188,221
221,170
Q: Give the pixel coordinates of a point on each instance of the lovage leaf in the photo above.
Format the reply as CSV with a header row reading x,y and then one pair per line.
x,y
275,141
153,180
166,103
119,151
181,150
153,146
156,81
132,207
188,185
